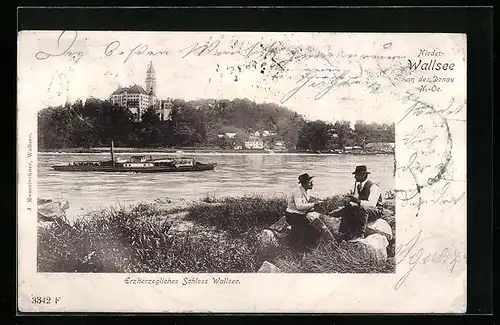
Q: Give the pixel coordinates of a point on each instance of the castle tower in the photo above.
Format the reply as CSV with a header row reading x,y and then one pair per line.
x,y
151,84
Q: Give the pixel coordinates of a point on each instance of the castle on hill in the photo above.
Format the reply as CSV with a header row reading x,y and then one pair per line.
x,y
138,100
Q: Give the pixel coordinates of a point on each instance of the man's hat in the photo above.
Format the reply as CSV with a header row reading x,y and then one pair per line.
x,y
361,170
305,178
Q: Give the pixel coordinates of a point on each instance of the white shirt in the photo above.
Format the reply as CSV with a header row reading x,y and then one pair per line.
x,y
374,194
298,201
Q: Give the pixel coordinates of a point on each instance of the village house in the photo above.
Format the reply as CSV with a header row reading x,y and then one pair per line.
x,y
353,149
164,109
267,133
357,149
254,142
279,146
227,135
380,147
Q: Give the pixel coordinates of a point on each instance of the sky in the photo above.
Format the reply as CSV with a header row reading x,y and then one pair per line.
x,y
324,76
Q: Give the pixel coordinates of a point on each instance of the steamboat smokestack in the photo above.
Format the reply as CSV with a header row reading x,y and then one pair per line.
x,y
112,153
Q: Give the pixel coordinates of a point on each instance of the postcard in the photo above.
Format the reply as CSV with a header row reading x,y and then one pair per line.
x,y
291,172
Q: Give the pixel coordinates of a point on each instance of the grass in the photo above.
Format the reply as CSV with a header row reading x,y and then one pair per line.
x,y
238,215
224,239
117,240
328,258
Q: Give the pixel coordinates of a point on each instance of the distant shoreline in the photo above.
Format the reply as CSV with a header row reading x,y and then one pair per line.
x,y
149,149
198,150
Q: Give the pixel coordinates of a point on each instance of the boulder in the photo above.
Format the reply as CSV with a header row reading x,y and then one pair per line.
x,y
52,210
379,226
281,229
49,212
267,267
378,244
371,247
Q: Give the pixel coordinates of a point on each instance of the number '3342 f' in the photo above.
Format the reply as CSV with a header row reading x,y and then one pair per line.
x,y
38,300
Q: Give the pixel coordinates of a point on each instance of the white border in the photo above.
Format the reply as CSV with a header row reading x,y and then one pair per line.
x,y
431,288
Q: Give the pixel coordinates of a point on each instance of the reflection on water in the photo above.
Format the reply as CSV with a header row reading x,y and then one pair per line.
x,y
235,175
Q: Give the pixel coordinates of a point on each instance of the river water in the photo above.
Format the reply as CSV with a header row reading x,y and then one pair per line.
x,y
235,175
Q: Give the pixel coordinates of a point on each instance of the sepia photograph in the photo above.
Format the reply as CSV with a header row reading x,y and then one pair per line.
x,y
195,159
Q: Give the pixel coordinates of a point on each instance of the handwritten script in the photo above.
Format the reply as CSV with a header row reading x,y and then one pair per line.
x,y
430,146
114,49
414,253
428,141
64,49
323,82
273,59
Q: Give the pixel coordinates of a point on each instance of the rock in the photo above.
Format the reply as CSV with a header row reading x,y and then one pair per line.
x,y
45,224
267,239
49,212
379,226
280,225
281,229
379,244
390,218
43,201
313,215
267,267
52,210
372,247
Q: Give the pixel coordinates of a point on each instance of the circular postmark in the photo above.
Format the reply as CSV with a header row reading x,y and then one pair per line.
x,y
428,142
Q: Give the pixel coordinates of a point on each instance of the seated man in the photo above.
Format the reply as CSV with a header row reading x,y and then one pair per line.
x,y
306,226
365,205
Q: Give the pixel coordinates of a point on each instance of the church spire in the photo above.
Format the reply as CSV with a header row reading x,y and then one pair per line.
x,y
151,79
151,85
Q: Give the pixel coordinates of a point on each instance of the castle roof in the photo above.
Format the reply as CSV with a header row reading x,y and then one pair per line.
x,y
135,89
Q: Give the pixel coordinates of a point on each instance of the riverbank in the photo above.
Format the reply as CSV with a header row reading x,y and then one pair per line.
x,y
212,235
149,149
196,150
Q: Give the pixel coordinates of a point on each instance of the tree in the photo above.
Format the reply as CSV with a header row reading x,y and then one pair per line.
x,y
190,129
374,132
345,136
315,136
150,118
361,131
194,123
113,122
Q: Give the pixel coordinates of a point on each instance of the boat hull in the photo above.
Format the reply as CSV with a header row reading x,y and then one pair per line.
x,y
121,169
